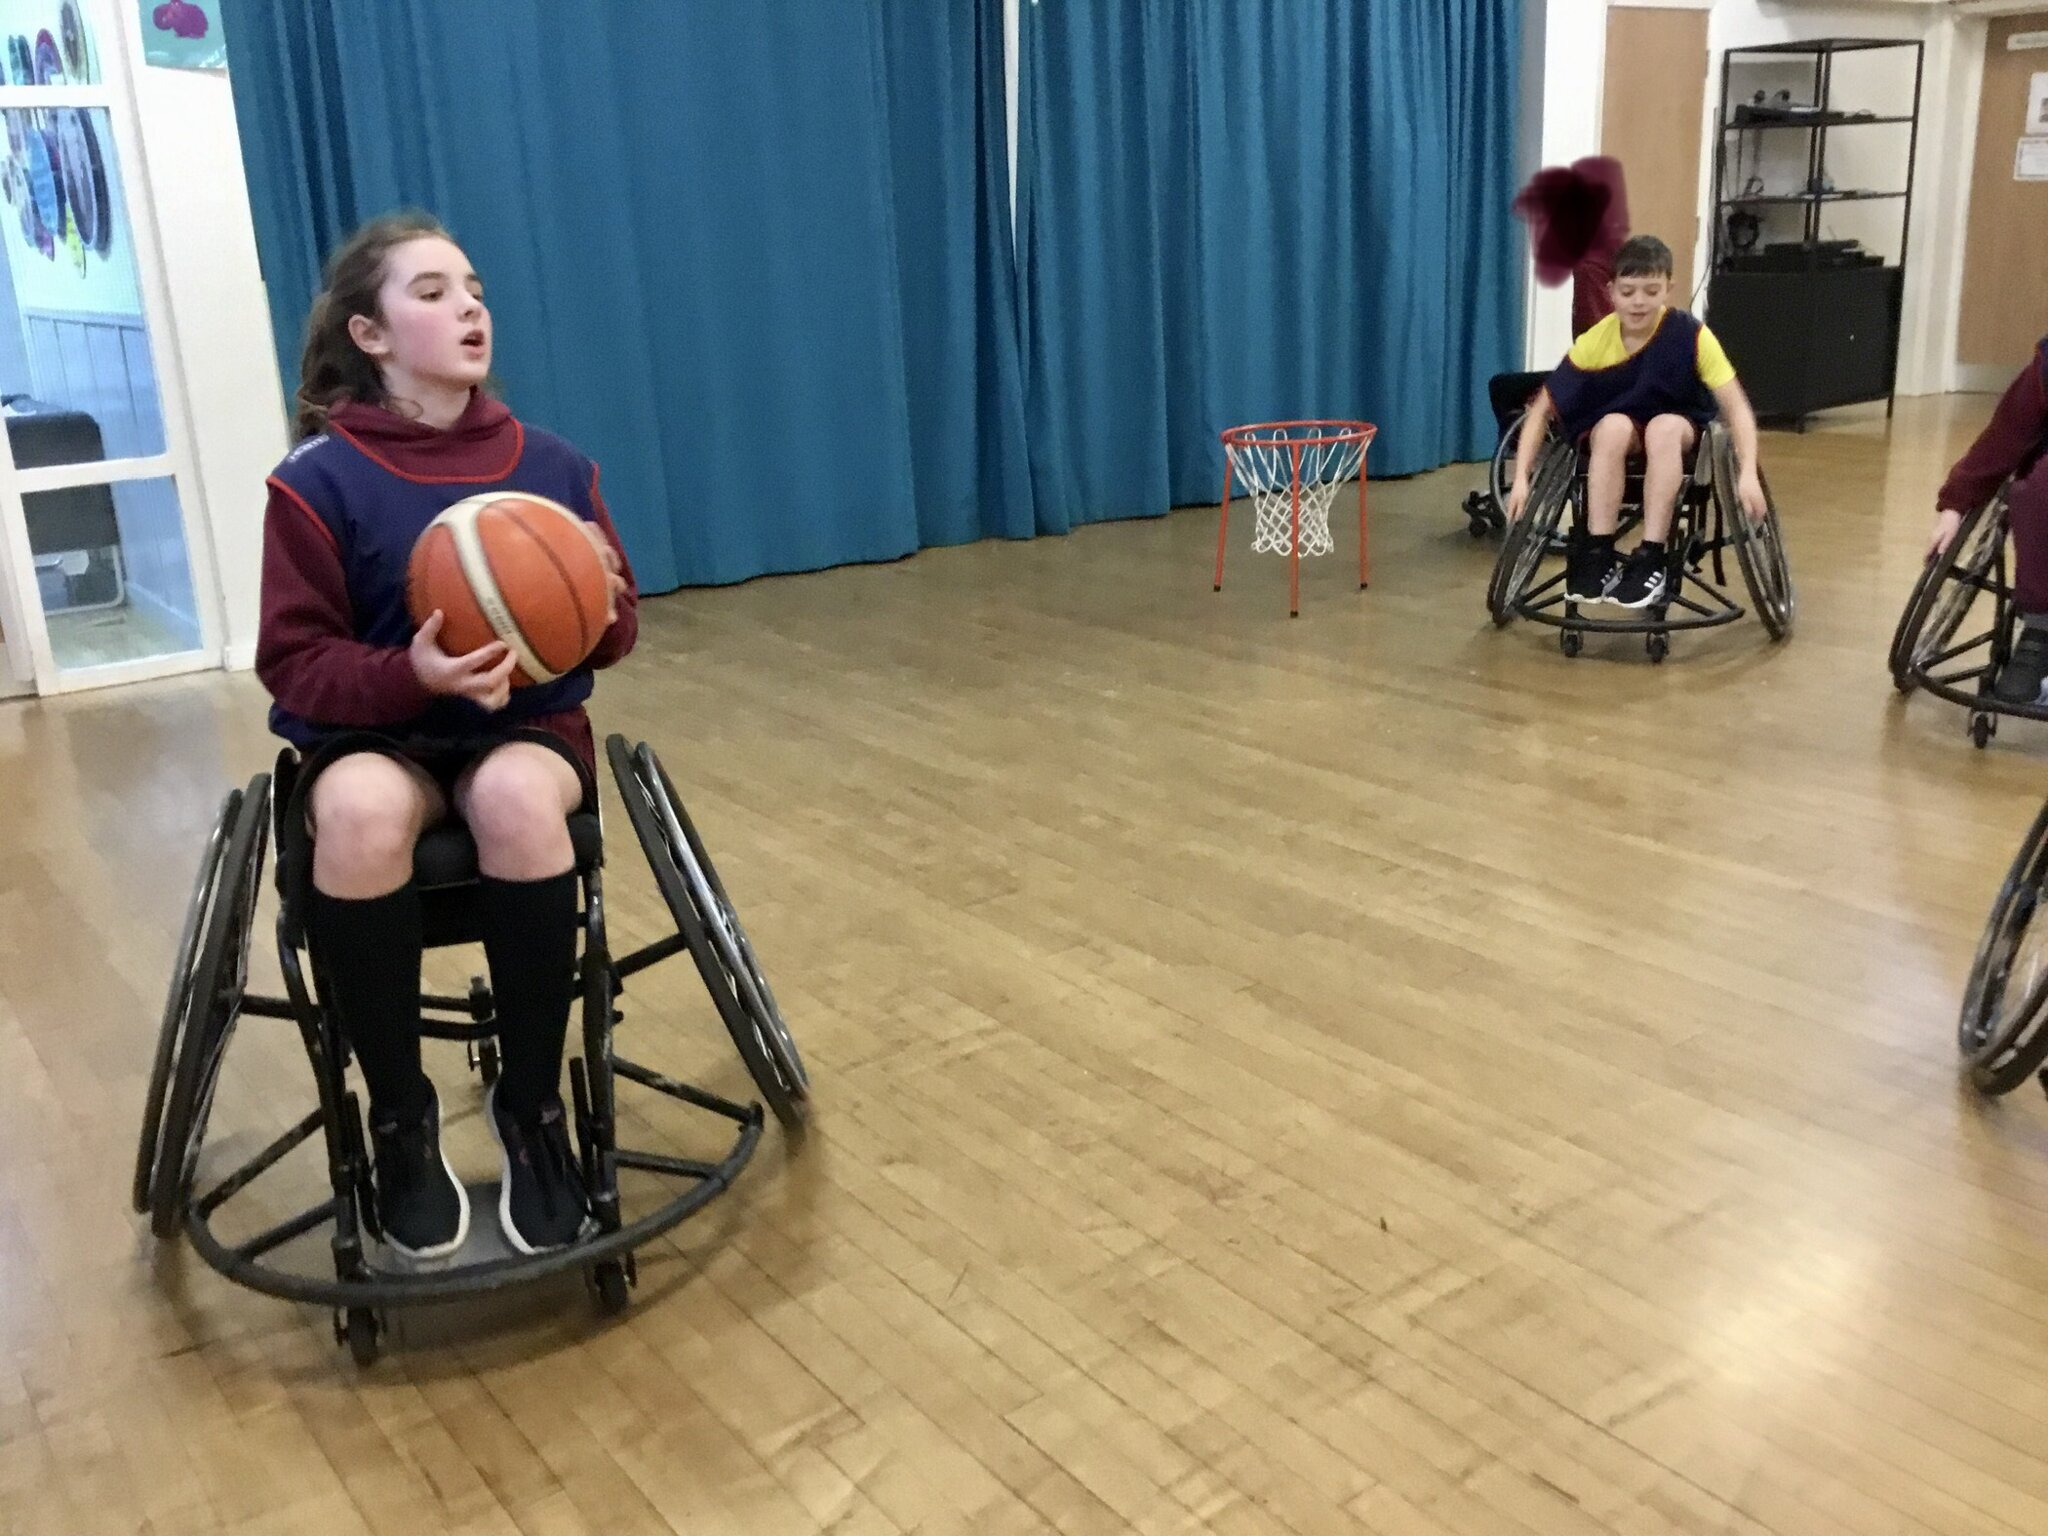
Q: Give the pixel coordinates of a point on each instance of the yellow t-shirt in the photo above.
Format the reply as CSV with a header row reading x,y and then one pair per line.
x,y
1602,347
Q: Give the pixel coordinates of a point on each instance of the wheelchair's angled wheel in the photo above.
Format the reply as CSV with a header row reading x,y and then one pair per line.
x,y
1529,536
1982,728
178,1003
212,1001
705,918
1943,595
1759,546
736,952
2003,1031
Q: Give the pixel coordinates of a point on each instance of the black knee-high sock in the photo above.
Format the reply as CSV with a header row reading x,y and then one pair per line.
x,y
370,958
530,940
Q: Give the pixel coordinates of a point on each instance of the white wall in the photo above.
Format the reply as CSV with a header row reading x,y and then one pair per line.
x,y
1564,56
1574,65
226,355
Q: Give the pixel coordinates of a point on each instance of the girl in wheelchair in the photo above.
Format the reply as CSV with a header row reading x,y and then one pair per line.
x,y
2012,446
396,423
1644,381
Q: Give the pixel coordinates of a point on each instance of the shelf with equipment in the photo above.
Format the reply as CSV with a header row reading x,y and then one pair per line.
x,y
1812,321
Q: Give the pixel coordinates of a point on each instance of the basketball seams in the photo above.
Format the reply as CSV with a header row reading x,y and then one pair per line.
x,y
483,585
587,632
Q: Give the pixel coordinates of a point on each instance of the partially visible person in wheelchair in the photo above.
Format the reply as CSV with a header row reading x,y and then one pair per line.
x,y
1643,381
397,423
2013,446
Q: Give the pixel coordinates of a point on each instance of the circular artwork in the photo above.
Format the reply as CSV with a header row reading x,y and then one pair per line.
x,y
78,59
49,62
45,191
85,180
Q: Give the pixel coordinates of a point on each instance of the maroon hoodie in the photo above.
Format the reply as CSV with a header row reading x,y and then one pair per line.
x,y
307,653
2011,442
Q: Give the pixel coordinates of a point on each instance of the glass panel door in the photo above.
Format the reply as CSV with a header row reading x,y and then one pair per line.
x,y
108,563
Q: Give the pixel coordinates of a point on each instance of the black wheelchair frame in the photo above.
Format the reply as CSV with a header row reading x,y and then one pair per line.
x,y
2002,1034
209,996
1926,651
1708,523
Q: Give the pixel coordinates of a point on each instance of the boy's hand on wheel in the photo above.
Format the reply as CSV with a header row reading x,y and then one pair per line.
x,y
1518,498
484,676
1750,491
1946,525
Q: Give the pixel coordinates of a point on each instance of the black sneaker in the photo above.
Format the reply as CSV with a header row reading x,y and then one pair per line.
x,y
1643,579
2020,679
1590,571
540,1201
422,1206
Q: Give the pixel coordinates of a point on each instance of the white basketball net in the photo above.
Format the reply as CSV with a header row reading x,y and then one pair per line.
x,y
1265,465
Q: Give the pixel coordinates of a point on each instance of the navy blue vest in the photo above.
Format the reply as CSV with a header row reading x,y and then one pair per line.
x,y
1661,380
376,515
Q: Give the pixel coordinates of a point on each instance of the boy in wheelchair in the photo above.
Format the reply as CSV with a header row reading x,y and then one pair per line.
x,y
1643,381
396,424
2014,446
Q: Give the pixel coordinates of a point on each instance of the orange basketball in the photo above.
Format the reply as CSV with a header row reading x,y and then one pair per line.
x,y
515,568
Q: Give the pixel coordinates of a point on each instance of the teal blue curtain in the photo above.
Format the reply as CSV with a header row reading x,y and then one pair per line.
x,y
754,258
754,255
1245,210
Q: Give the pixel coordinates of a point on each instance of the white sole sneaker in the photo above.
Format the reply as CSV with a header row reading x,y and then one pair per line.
x,y
437,1256
505,1222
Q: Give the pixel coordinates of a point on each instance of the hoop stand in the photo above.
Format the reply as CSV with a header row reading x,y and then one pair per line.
x,y
1331,451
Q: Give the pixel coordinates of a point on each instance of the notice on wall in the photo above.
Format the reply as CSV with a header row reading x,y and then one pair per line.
x,y
2037,103
2030,162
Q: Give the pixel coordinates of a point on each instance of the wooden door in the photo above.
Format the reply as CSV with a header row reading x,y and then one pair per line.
x,y
1655,94
2005,262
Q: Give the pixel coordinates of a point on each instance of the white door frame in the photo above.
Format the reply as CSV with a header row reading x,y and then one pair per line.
x,y
115,42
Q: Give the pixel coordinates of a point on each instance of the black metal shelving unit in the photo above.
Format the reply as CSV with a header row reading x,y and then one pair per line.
x,y
1808,328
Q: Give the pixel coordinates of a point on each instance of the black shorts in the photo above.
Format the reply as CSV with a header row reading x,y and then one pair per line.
x,y
443,759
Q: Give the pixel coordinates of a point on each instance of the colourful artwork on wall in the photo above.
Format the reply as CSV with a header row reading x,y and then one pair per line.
x,y
183,34
55,162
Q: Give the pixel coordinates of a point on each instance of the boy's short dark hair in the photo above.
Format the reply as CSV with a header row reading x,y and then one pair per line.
x,y
1643,256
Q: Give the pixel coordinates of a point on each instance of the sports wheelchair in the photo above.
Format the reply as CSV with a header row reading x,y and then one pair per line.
x,y
1709,522
1926,651
2003,1031
209,996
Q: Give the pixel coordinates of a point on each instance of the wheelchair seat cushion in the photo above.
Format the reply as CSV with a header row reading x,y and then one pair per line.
x,y
446,855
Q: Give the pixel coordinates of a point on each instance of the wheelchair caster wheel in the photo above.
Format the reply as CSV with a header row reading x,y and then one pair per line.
x,y
613,1287
1982,729
357,1328
1659,646
1570,641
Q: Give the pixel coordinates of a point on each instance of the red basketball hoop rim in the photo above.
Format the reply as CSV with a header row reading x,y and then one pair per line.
x,y
1319,433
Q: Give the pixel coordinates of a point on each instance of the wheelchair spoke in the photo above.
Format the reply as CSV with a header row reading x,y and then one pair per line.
x,y
258,1165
